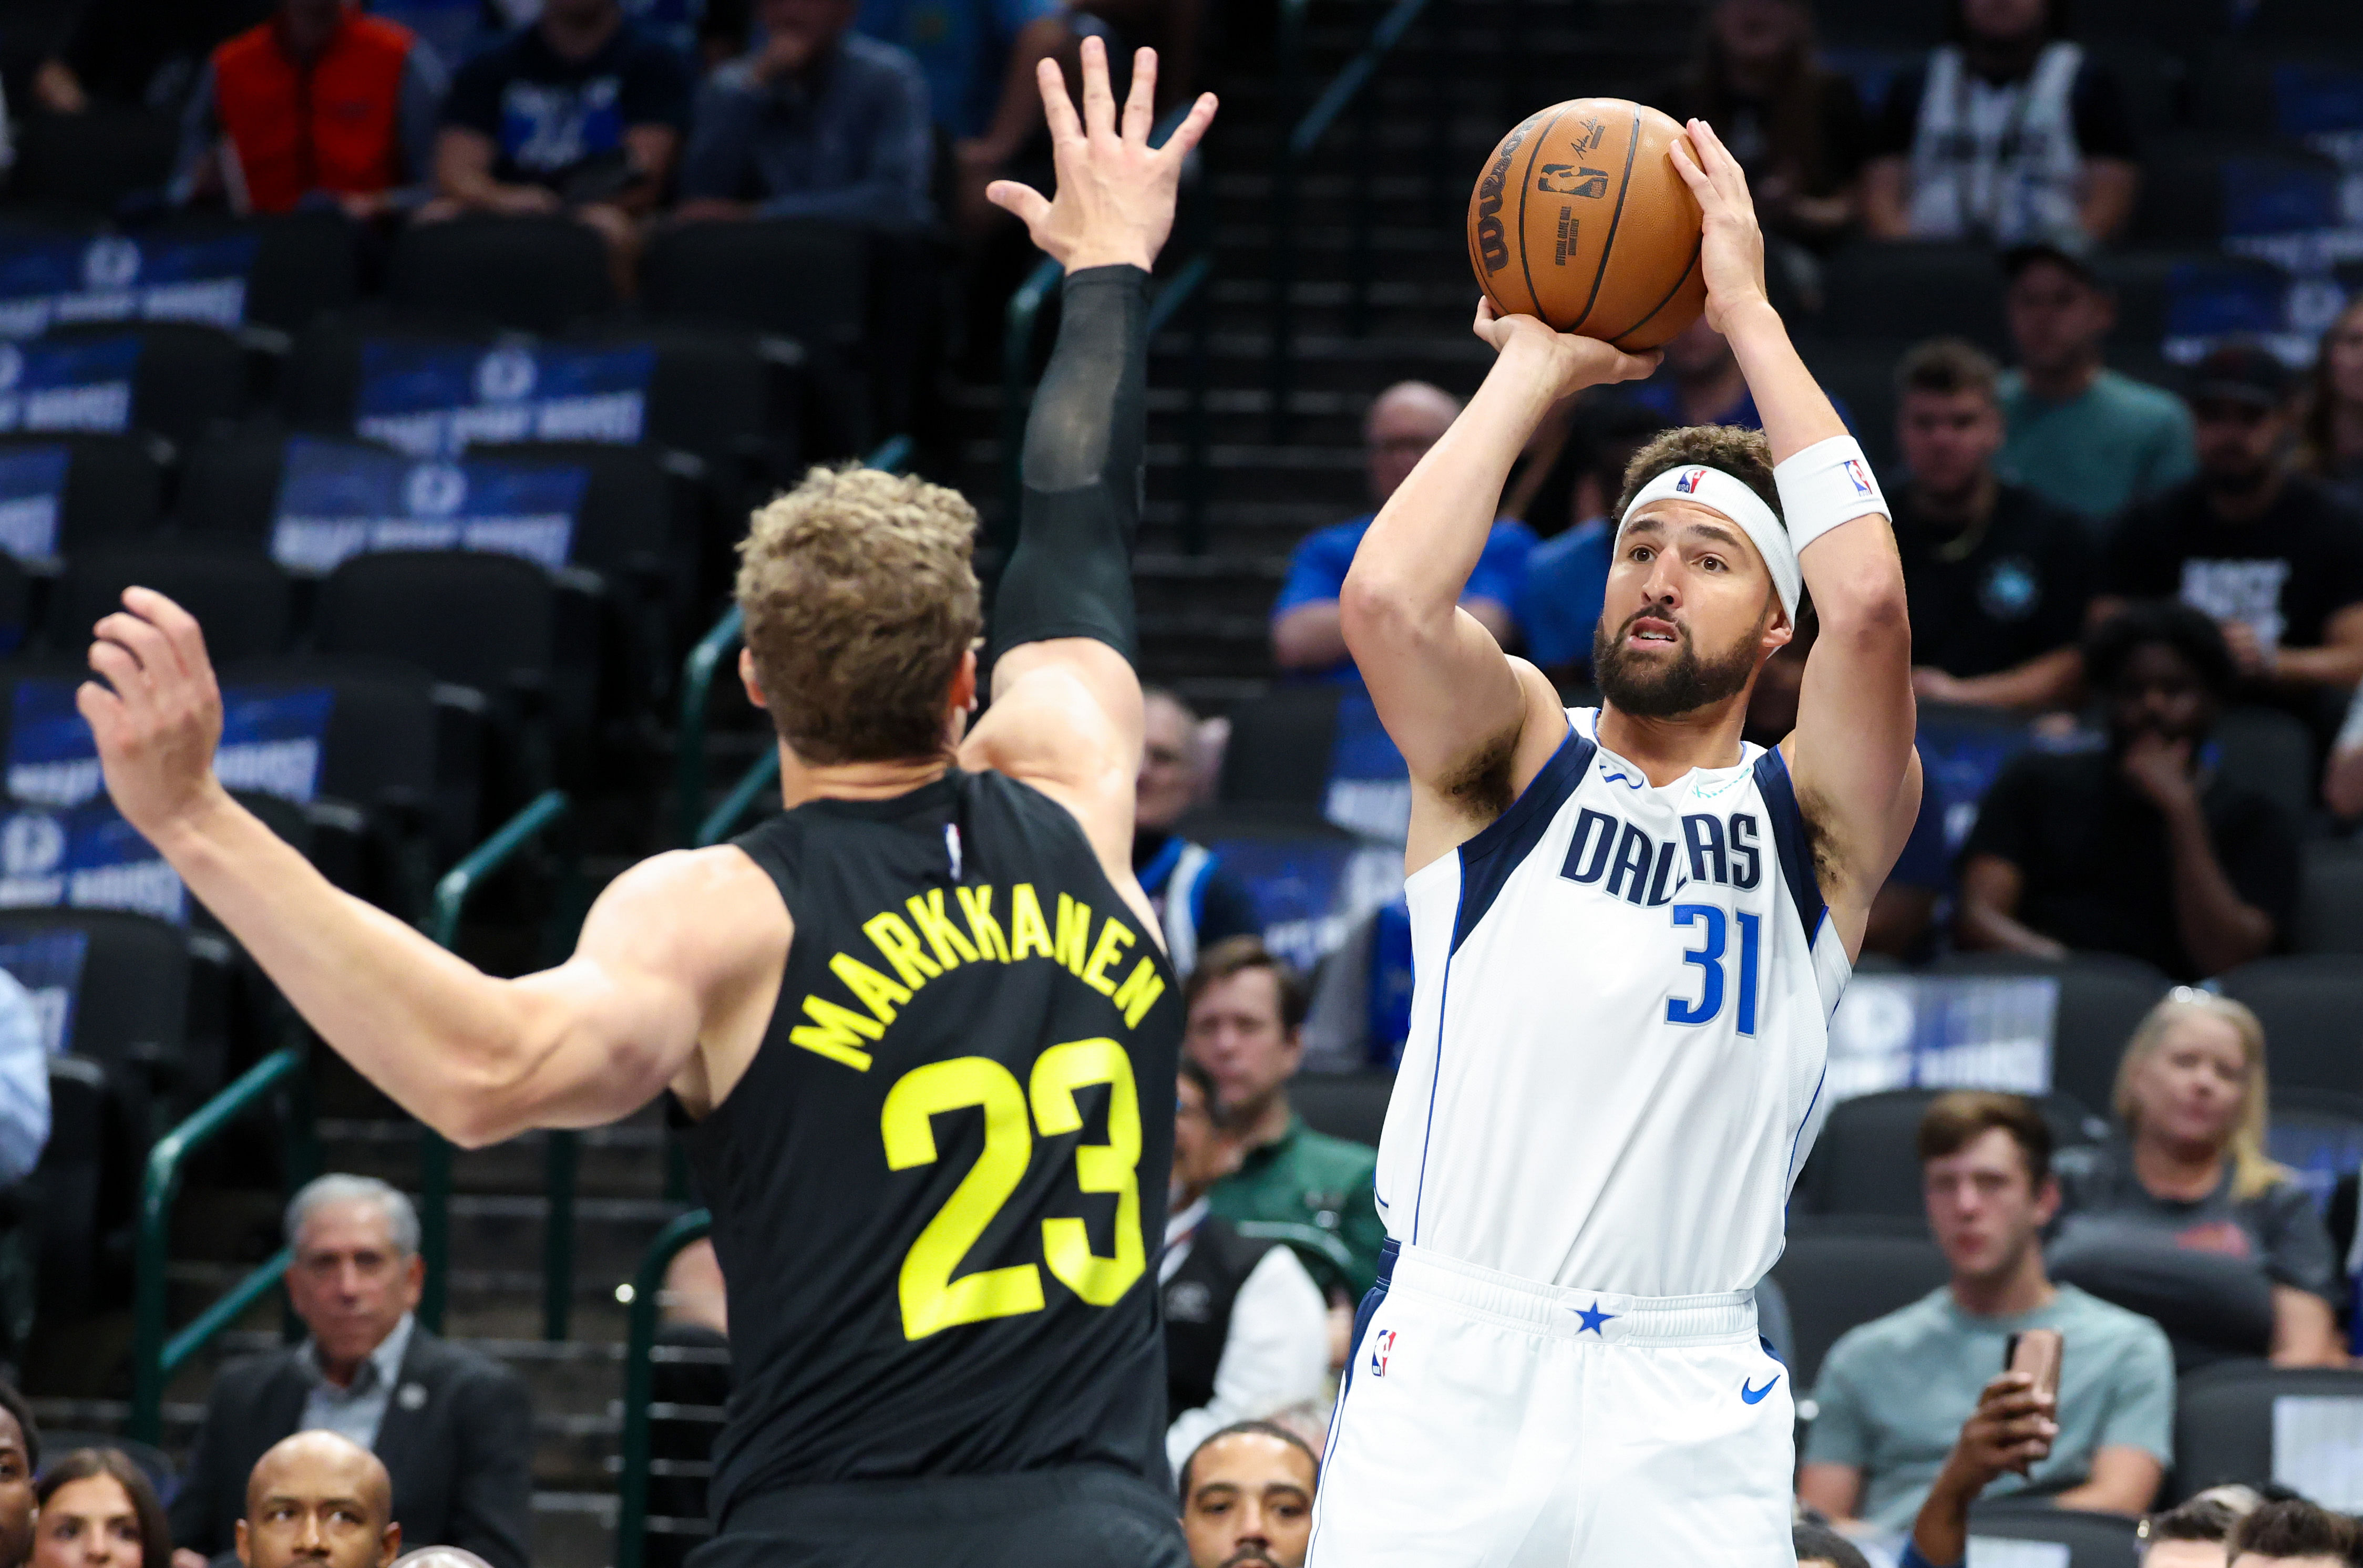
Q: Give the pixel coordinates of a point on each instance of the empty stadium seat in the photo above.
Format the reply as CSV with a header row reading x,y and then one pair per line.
x,y
190,380
1866,1164
528,275
104,163
2330,912
229,486
2093,1541
2228,1421
2312,1011
2269,751
244,602
2197,192
1344,1105
2102,996
1279,750
101,490
1902,293
1835,1281
81,1190
306,263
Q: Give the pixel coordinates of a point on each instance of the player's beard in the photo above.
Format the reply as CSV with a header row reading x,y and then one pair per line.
x,y
1668,689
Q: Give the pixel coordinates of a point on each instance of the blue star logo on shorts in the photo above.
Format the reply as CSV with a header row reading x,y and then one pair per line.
x,y
1593,1317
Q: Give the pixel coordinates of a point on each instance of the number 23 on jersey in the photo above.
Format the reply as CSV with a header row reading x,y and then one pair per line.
x,y
932,1299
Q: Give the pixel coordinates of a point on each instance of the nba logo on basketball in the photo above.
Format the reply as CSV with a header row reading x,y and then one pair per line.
x,y
1688,484
1382,1345
1861,481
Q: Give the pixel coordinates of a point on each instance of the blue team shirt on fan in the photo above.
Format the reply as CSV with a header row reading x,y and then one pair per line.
x,y
1317,573
548,116
962,48
1559,600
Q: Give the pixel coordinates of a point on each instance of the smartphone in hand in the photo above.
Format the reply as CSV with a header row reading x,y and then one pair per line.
x,y
2037,1352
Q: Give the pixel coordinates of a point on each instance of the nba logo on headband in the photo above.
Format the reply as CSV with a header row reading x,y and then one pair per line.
x,y
1688,483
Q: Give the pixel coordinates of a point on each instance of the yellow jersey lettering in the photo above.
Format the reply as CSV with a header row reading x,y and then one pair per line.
x,y
951,948
1140,993
976,903
1074,935
1029,932
901,948
835,1032
874,990
1114,937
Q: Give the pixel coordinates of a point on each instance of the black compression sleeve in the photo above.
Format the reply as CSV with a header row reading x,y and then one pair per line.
x,y
1071,575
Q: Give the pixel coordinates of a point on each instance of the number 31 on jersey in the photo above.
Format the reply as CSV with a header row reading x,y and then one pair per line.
x,y
932,1299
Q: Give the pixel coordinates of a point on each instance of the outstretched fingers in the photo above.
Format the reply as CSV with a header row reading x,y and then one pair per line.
x,y
1193,128
1058,109
1021,200
1141,103
1098,98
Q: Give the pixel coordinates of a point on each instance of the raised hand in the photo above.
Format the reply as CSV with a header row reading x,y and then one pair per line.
x,y
1731,253
158,726
1116,195
1570,363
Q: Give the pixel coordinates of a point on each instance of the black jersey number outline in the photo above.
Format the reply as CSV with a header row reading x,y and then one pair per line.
x,y
932,1300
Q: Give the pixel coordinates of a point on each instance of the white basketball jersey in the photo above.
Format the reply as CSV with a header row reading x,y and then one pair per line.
x,y
1619,1021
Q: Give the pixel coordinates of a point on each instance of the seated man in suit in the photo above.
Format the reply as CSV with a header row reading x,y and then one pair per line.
x,y
453,1428
319,1501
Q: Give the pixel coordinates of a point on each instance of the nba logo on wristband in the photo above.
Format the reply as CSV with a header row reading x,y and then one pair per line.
x,y
1862,480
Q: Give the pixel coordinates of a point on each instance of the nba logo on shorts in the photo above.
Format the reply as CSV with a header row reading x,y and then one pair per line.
x,y
1854,473
1382,1345
1688,484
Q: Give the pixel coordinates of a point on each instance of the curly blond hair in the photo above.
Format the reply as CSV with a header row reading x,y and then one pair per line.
x,y
859,600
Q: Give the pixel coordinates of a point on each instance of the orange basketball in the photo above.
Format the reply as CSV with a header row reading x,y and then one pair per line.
x,y
1582,220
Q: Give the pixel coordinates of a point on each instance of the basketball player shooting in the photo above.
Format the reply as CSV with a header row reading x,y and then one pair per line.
x,y
922,1019
1630,930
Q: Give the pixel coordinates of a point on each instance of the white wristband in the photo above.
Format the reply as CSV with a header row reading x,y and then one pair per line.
x,y
1826,485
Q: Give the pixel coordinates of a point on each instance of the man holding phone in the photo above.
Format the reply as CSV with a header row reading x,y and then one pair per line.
x,y
2063,1395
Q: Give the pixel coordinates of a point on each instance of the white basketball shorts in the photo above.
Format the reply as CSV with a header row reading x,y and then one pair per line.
x,y
1488,1421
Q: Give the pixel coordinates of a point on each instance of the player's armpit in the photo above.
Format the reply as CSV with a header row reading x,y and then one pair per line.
x,y
1456,799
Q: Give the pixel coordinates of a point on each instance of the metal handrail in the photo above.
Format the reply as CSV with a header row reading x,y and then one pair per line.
x,y
639,1379
453,894
704,662
1023,318
1343,90
154,1358
739,801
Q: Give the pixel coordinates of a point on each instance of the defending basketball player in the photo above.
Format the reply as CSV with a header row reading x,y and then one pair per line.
x,y
923,1018
1630,929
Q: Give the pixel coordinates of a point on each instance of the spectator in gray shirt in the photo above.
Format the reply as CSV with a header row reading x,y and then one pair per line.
x,y
818,121
1896,1395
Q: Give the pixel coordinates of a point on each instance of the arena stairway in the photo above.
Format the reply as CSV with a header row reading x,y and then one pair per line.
x,y
1203,616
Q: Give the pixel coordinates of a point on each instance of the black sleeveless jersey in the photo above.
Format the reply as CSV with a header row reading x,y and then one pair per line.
x,y
939,1189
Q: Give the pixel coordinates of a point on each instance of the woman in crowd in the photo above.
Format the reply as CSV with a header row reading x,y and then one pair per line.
x,y
98,1511
2181,1216
1797,128
2332,448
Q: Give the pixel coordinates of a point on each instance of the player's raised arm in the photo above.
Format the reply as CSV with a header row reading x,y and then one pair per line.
x,y
477,1058
1456,706
1858,777
1066,712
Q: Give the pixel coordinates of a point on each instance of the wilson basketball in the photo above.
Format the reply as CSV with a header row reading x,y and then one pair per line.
x,y
1582,220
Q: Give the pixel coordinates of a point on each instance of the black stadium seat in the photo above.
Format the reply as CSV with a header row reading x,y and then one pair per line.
x,y
1835,1281
1866,1164
2093,1540
1902,293
2101,998
2330,912
229,486
2223,1420
100,163
526,274
1344,1105
243,601
192,378
2312,1011
81,1189
306,264
1280,746
113,486
2270,752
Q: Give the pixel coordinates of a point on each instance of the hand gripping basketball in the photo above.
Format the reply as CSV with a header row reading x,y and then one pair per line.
x,y
1731,251
1114,201
158,727
1572,362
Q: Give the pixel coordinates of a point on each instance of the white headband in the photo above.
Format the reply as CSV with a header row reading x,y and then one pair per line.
x,y
1719,491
